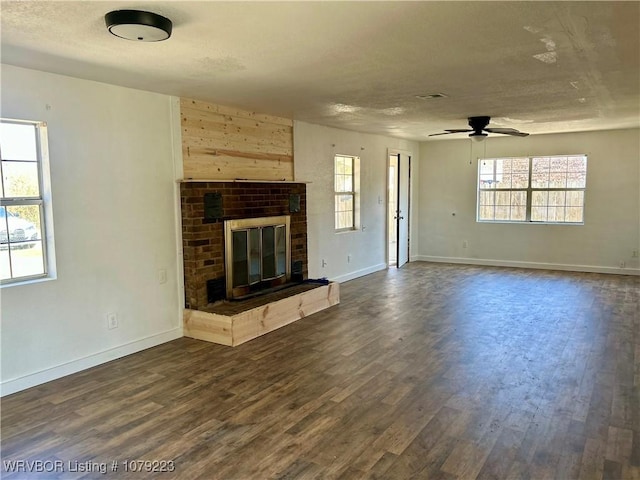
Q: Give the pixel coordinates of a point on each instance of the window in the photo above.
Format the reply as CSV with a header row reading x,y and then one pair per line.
x,y
532,189
22,248
345,192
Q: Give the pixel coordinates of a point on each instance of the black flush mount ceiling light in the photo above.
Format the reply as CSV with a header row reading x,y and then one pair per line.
x,y
138,25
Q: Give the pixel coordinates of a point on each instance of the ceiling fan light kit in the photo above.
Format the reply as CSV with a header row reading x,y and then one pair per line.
x,y
479,127
138,25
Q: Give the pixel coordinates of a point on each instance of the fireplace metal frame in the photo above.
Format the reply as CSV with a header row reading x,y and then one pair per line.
x,y
243,224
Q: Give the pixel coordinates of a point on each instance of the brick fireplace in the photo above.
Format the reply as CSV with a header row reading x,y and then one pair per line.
x,y
205,208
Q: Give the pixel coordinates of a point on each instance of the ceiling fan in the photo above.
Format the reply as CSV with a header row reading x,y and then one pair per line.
x,y
478,128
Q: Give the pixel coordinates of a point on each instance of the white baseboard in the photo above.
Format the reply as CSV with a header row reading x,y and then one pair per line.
x,y
359,273
14,385
535,265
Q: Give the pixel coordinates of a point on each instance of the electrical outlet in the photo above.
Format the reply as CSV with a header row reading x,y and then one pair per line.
x,y
324,263
112,321
465,244
349,258
623,264
634,254
162,275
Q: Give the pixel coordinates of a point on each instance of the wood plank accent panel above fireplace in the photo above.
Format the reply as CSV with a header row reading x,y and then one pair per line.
x,y
223,143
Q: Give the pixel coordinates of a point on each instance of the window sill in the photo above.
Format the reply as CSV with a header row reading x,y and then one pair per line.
x,y
27,281
507,222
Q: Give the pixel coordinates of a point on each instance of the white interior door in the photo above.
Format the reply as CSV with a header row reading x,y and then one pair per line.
x,y
392,211
404,176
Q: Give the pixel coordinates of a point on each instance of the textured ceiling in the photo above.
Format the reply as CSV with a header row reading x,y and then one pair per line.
x,y
536,66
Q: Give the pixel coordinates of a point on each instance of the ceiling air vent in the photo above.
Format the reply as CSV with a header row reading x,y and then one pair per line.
x,y
429,96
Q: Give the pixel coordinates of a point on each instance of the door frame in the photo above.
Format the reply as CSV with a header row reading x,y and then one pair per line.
x,y
409,154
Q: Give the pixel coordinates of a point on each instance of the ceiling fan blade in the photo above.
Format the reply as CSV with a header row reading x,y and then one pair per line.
x,y
506,131
447,132
458,130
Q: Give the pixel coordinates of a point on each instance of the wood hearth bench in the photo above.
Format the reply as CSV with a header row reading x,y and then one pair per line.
x,y
241,327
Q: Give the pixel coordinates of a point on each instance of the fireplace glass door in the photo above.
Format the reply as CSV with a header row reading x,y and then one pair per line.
x,y
259,255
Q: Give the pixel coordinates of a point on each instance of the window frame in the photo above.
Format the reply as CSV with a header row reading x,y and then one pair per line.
x,y
353,193
42,162
530,190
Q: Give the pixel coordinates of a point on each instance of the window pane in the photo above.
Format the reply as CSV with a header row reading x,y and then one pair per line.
x,y
558,164
577,171
18,141
487,198
342,183
504,169
4,235
24,223
486,167
503,198
557,179
346,219
555,214
557,199
26,259
502,212
342,202
540,173
520,180
20,179
576,179
519,206
348,166
577,163
488,181
348,186
539,198
574,214
23,254
575,199
5,267
345,183
346,203
487,174
502,205
538,214
486,212
520,165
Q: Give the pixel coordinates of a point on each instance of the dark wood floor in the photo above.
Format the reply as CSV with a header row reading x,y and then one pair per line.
x,y
433,371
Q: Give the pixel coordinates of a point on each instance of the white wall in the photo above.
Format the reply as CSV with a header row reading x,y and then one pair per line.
x,y
114,153
314,150
115,224
612,205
